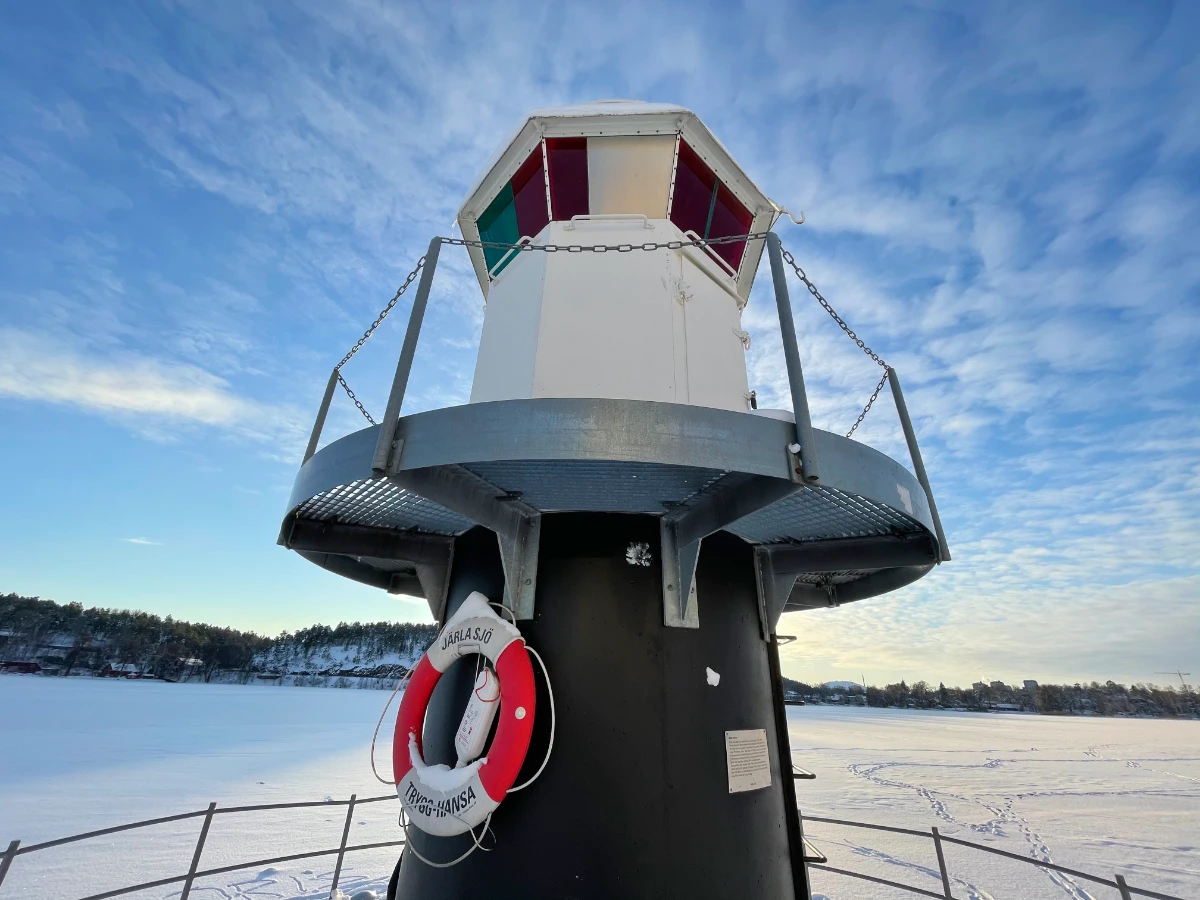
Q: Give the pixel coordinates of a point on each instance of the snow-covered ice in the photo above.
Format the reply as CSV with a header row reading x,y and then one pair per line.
x,y
1102,795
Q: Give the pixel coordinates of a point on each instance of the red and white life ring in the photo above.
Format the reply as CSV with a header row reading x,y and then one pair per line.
x,y
444,801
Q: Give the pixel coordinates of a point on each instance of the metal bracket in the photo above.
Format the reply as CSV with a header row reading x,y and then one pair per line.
x,y
517,525
681,530
795,465
774,588
431,555
901,559
680,609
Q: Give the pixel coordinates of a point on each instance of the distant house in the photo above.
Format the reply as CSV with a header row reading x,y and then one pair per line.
x,y
15,667
1006,707
1031,686
120,670
999,686
978,686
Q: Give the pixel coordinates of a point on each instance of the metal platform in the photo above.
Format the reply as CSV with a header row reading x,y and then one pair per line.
x,y
865,528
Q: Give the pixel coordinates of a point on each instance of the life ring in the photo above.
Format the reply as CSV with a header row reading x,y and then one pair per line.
x,y
444,801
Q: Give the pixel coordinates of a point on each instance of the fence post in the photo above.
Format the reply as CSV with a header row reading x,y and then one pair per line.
x,y
191,875
319,424
9,855
387,430
791,356
914,453
337,868
1124,888
937,843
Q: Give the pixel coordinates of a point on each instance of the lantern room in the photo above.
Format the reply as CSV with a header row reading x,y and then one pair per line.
x,y
646,325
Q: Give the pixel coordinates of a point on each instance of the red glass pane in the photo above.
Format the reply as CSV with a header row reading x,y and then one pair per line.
x,y
568,177
729,218
529,193
694,183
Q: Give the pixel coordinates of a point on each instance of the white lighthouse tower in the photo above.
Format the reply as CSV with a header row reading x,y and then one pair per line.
x,y
610,486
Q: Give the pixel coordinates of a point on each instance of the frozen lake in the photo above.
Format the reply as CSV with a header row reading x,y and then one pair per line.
x,y
1101,795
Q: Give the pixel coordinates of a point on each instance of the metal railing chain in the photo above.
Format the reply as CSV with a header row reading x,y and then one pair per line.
x,y
530,247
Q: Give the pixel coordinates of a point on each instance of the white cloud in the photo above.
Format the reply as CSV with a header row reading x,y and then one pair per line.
x,y
142,542
158,396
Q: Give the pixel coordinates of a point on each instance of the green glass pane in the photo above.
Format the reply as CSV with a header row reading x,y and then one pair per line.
x,y
499,223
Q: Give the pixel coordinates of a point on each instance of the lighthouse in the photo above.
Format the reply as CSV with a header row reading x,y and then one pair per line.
x,y
612,488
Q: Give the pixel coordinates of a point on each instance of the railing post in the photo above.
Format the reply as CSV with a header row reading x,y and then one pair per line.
x,y
1123,888
914,453
319,425
791,356
337,868
937,843
191,875
9,855
387,430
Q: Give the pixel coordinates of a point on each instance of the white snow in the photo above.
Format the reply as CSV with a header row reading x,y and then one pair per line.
x,y
1101,795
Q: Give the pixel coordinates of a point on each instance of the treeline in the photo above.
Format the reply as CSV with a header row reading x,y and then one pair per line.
x,y
1108,699
68,639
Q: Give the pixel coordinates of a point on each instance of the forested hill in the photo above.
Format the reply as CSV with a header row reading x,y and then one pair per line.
x,y
69,639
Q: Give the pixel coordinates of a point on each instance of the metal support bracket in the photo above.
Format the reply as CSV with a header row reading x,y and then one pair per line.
x,y
901,559
517,525
680,609
430,555
681,530
774,587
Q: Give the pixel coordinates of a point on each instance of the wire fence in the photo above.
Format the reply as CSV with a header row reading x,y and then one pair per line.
x,y
813,858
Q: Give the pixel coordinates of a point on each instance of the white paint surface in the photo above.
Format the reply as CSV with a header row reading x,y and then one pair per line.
x,y
713,678
644,325
630,174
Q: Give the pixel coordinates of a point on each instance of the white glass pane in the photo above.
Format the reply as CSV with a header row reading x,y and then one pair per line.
x,y
630,174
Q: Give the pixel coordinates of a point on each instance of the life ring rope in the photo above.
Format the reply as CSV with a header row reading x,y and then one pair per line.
x,y
444,801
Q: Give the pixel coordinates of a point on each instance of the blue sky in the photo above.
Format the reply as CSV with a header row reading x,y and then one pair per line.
x,y
203,204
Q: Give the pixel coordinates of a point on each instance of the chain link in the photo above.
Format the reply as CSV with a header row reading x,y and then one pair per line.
x,y
866,409
383,314
618,248
812,289
604,248
349,393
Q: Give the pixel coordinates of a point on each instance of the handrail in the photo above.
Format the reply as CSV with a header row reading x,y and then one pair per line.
x,y
195,872
712,254
938,838
508,254
864,877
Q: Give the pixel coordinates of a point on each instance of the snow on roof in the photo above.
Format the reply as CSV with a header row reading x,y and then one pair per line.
x,y
608,108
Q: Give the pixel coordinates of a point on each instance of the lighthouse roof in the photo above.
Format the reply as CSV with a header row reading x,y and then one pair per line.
x,y
616,153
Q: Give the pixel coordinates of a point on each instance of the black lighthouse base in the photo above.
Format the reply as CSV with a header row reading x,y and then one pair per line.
x,y
635,800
